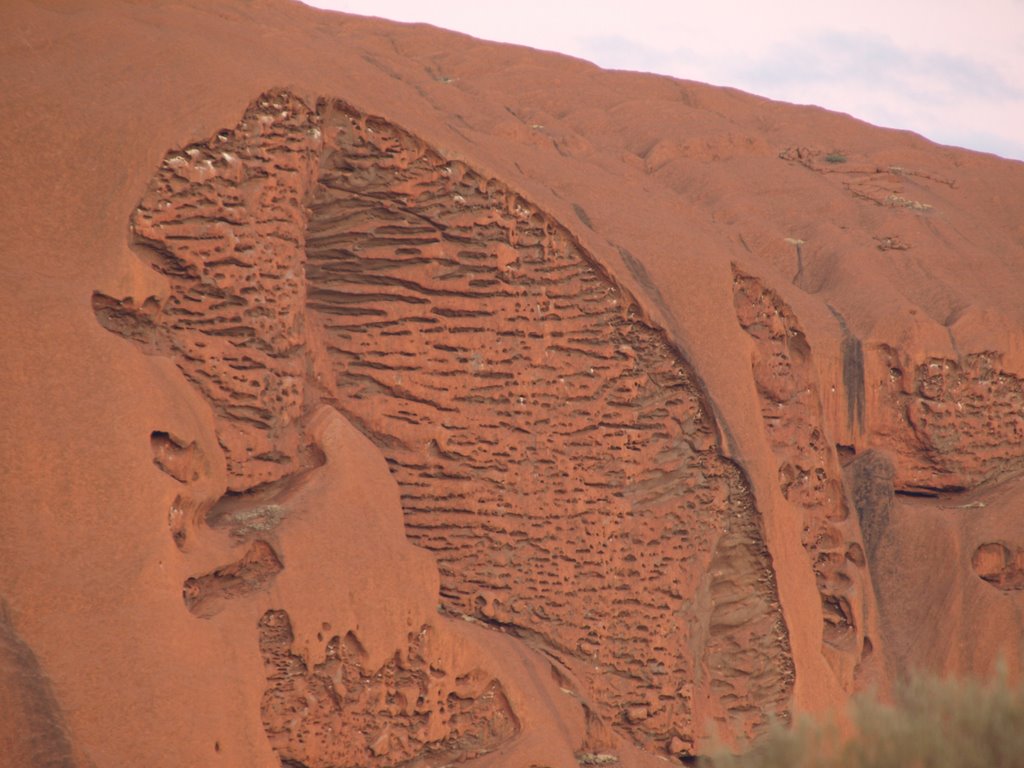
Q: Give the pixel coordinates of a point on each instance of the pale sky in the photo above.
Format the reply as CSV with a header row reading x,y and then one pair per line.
x,y
944,68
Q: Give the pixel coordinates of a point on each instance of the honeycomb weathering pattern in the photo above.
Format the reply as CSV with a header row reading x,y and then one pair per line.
x,y
953,424
552,448
338,713
224,222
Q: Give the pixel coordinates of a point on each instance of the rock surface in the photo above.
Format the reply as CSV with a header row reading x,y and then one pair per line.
x,y
403,399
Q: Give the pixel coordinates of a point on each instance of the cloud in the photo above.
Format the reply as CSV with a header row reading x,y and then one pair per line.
x,y
950,98
617,52
839,58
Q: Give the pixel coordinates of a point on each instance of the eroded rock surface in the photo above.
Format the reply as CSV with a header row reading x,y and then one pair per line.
x,y
553,450
338,713
809,473
1000,565
953,424
869,477
611,587
224,222
205,595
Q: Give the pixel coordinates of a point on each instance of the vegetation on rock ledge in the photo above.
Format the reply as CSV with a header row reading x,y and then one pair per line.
x,y
931,723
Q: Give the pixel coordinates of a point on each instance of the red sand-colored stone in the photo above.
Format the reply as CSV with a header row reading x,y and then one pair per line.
x,y
374,395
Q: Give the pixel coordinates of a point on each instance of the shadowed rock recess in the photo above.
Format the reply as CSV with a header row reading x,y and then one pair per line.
x,y
553,450
32,728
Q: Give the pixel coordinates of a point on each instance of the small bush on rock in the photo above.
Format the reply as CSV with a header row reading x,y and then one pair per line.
x,y
931,723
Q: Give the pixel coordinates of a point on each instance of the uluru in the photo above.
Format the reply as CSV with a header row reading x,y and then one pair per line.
x,y
378,396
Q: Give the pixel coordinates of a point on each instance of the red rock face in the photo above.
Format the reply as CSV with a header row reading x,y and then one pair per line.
x,y
956,424
224,222
340,713
508,412
809,474
1000,566
34,731
553,450
205,595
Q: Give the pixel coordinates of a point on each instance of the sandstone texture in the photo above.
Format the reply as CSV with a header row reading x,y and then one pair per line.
x,y
376,396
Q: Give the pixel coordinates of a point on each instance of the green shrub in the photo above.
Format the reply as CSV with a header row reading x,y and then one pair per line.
x,y
931,723
835,156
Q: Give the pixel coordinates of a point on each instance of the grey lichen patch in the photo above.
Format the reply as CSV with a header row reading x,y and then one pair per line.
x,y
250,521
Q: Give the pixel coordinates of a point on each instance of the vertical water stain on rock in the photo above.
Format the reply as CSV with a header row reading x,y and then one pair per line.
x,y
852,352
870,479
809,473
853,380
